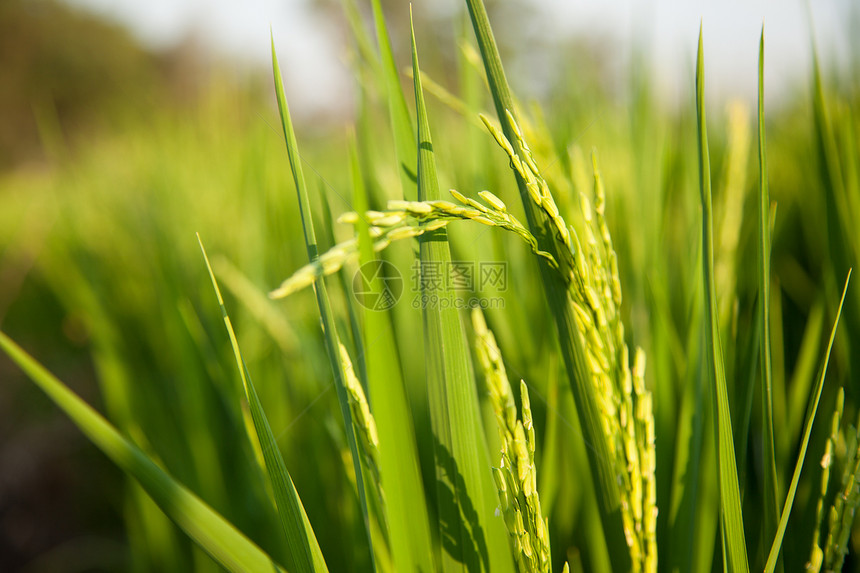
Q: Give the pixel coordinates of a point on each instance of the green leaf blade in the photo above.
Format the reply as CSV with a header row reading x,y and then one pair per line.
x,y
465,489
327,319
218,537
771,484
303,550
807,432
734,543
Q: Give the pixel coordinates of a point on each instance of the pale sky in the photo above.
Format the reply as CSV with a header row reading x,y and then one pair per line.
x,y
312,54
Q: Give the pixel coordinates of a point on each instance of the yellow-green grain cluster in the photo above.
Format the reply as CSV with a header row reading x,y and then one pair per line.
x,y
589,266
538,191
365,425
403,220
830,544
516,476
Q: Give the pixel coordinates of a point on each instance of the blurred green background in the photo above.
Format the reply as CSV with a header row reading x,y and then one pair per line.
x,y
113,154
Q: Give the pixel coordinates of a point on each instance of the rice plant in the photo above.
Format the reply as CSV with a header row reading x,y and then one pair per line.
x,y
418,305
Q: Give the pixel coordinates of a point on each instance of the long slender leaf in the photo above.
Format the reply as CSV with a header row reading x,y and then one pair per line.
x,y
804,444
205,526
327,318
474,538
303,551
771,484
734,544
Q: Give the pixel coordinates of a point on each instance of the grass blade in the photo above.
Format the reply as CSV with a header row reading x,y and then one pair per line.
x,y
206,527
466,492
405,503
303,551
771,484
327,318
804,444
734,543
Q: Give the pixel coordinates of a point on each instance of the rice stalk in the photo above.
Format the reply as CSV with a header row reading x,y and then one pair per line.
x,y
844,508
816,558
600,461
516,475
589,269
362,420
830,544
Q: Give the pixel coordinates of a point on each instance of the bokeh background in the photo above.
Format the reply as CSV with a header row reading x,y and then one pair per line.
x,y
127,126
